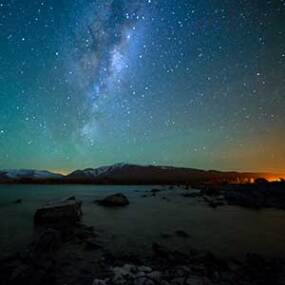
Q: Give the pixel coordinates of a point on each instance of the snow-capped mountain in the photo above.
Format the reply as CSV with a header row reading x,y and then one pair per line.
x,y
102,171
20,174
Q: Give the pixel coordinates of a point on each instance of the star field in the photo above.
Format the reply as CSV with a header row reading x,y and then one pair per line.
x,y
187,83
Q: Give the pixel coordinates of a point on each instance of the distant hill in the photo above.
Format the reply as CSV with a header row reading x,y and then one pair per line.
x,y
129,174
122,173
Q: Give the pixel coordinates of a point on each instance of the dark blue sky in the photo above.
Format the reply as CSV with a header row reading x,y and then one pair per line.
x,y
188,83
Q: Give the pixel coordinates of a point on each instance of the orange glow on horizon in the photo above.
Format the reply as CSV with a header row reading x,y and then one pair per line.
x,y
275,178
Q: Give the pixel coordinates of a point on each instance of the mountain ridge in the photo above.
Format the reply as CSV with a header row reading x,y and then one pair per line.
x,y
124,173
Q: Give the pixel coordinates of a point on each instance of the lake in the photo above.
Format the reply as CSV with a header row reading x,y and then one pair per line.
x,y
226,230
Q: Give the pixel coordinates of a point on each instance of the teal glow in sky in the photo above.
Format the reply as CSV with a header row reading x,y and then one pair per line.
x,y
186,83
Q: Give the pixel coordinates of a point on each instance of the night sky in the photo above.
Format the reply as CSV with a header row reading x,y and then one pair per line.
x,y
185,83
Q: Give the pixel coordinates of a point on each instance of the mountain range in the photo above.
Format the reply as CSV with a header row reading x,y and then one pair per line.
x,y
122,173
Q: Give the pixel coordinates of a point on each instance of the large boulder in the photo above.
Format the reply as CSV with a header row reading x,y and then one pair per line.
x,y
116,200
67,212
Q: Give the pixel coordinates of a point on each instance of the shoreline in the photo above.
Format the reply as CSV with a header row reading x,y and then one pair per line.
x,y
75,256
80,259
65,251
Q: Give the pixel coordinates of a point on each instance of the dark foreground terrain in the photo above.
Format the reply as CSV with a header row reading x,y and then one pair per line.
x,y
64,251
257,195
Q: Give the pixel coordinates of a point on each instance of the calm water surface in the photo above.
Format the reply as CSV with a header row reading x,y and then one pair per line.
x,y
226,230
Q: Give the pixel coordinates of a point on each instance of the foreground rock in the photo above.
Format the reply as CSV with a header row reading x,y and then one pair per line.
x,y
214,201
67,212
194,268
63,250
116,200
51,260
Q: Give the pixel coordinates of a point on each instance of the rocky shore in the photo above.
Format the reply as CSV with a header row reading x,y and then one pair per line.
x,y
65,251
257,195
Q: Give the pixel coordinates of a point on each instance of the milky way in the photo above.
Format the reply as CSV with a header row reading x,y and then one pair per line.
x,y
103,41
85,83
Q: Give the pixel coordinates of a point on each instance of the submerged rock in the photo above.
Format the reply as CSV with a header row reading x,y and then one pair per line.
x,y
155,190
182,233
192,194
71,198
166,235
116,200
66,212
214,202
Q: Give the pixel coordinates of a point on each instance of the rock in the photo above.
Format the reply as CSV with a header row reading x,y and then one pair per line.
x,y
144,268
122,273
195,280
71,198
154,275
66,212
92,245
212,190
182,233
179,281
233,265
181,271
155,190
116,200
213,202
159,250
246,198
166,235
165,199
99,282
21,274
144,281
140,274
47,241
255,260
256,195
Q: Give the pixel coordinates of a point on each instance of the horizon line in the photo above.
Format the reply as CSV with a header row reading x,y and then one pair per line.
x,y
68,171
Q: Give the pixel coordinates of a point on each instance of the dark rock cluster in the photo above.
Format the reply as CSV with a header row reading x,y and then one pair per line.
x,y
65,251
62,250
261,194
115,200
194,268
